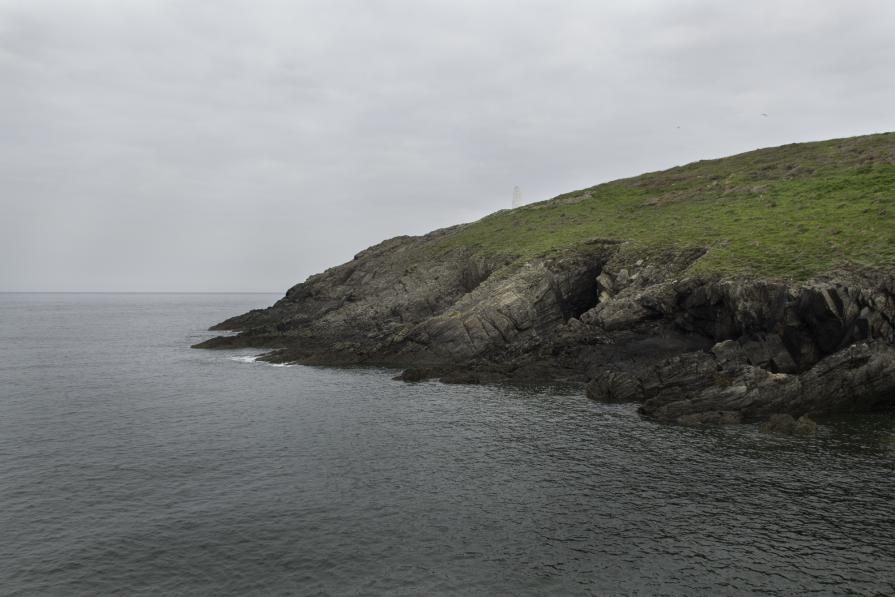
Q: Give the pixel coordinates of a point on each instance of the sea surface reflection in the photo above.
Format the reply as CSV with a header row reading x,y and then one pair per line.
x,y
130,464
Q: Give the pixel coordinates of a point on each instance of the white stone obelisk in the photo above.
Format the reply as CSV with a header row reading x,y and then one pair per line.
x,y
517,197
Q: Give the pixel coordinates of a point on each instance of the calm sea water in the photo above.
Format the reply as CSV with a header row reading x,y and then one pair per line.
x,y
133,465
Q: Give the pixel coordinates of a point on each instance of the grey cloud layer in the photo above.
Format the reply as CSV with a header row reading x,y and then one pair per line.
x,y
155,145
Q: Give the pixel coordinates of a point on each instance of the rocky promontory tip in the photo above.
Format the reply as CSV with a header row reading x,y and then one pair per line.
x,y
727,291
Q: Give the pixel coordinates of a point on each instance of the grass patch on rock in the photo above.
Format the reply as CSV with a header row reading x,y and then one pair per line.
x,y
787,212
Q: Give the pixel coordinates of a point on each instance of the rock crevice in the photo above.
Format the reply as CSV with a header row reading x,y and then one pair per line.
x,y
691,349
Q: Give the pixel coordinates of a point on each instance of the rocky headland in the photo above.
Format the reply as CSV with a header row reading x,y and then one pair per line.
x,y
723,291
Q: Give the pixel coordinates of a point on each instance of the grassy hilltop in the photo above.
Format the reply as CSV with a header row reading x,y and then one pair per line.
x,y
787,212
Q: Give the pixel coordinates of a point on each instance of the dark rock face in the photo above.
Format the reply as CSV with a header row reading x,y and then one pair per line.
x,y
354,311
860,378
693,350
405,303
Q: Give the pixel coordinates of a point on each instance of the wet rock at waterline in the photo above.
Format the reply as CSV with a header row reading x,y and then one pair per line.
x,y
787,425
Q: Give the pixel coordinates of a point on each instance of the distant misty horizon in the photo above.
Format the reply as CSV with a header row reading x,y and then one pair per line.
x,y
243,146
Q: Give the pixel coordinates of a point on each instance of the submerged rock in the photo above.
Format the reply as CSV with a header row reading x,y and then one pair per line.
x,y
779,423
805,426
786,424
721,417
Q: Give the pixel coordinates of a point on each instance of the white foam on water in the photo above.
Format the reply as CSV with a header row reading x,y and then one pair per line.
x,y
244,359
254,359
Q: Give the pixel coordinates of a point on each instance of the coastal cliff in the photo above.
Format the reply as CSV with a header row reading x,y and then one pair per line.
x,y
721,291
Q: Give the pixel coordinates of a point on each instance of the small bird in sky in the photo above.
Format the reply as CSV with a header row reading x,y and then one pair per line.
x,y
763,114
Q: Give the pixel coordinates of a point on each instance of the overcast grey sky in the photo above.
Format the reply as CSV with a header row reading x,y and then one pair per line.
x,y
243,145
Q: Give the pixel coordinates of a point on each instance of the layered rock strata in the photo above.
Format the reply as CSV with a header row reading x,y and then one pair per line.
x,y
691,349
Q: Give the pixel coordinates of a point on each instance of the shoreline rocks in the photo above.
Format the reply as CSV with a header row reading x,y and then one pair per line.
x,y
689,349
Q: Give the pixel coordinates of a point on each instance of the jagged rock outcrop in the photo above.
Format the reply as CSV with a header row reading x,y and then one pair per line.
x,y
818,348
528,303
691,349
860,378
355,311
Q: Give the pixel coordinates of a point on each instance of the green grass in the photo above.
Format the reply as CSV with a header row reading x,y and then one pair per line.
x,y
787,212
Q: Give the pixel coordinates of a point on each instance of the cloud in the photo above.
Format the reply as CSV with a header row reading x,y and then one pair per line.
x,y
234,145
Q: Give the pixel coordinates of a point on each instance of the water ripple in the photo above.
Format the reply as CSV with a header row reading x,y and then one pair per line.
x,y
130,464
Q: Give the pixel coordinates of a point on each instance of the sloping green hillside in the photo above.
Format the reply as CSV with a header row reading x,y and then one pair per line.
x,y
787,212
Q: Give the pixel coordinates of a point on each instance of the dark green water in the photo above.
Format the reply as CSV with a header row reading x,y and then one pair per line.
x,y
132,465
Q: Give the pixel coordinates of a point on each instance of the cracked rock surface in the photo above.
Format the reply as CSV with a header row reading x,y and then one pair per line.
x,y
690,349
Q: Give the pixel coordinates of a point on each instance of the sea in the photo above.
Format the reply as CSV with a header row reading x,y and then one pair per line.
x,y
131,464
